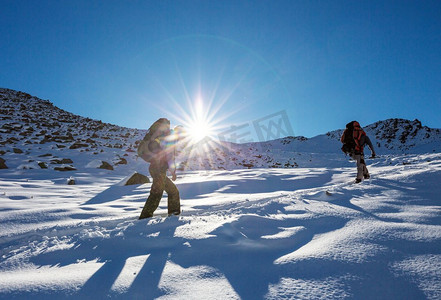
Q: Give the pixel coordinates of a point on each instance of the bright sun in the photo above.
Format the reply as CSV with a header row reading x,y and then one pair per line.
x,y
199,125
198,130
198,122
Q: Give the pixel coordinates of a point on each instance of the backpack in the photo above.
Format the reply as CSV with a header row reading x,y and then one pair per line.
x,y
348,140
143,149
360,139
148,148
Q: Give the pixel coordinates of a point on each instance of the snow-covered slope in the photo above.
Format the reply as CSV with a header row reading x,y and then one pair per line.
x,y
36,134
302,233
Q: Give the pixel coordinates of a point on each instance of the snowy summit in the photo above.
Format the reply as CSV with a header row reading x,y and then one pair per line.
x,y
271,220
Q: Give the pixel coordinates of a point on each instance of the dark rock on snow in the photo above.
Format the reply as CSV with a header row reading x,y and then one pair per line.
x,y
78,145
42,165
65,168
3,164
61,161
17,151
122,161
105,165
137,178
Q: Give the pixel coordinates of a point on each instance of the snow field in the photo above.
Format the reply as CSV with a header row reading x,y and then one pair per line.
x,y
303,233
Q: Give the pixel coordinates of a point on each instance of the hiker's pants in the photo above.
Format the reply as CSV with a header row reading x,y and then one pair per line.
x,y
160,183
361,166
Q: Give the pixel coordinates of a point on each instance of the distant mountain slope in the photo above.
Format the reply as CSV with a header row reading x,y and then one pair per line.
x,y
401,136
36,134
35,121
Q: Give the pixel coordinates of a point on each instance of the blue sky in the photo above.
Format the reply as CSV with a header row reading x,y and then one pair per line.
x,y
324,63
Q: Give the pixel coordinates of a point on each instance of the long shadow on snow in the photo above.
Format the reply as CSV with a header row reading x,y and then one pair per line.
x,y
345,200
114,252
264,184
237,250
421,189
145,285
113,193
421,192
246,259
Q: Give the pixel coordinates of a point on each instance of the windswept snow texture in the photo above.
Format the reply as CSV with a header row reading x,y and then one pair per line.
x,y
302,233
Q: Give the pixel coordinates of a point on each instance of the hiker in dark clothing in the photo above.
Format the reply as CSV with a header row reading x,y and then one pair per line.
x,y
157,148
354,139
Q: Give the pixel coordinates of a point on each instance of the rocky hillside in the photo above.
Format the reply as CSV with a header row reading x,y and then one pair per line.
x,y
35,134
400,136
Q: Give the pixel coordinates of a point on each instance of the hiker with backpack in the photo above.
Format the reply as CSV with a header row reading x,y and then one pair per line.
x,y
354,139
157,148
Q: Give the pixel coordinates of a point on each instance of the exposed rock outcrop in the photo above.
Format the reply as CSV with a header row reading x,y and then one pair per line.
x,y
137,178
3,164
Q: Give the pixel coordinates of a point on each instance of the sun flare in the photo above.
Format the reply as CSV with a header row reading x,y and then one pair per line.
x,y
198,125
199,130
197,135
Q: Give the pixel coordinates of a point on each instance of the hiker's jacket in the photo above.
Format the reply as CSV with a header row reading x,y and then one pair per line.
x,y
360,138
164,151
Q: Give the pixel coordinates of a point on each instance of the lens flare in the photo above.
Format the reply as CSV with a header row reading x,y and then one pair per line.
x,y
199,130
199,126
196,136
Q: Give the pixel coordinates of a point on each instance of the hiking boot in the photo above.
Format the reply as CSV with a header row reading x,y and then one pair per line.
x,y
357,180
174,213
145,216
367,176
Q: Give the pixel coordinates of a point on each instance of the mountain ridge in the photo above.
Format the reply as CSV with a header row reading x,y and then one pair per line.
x,y
31,128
